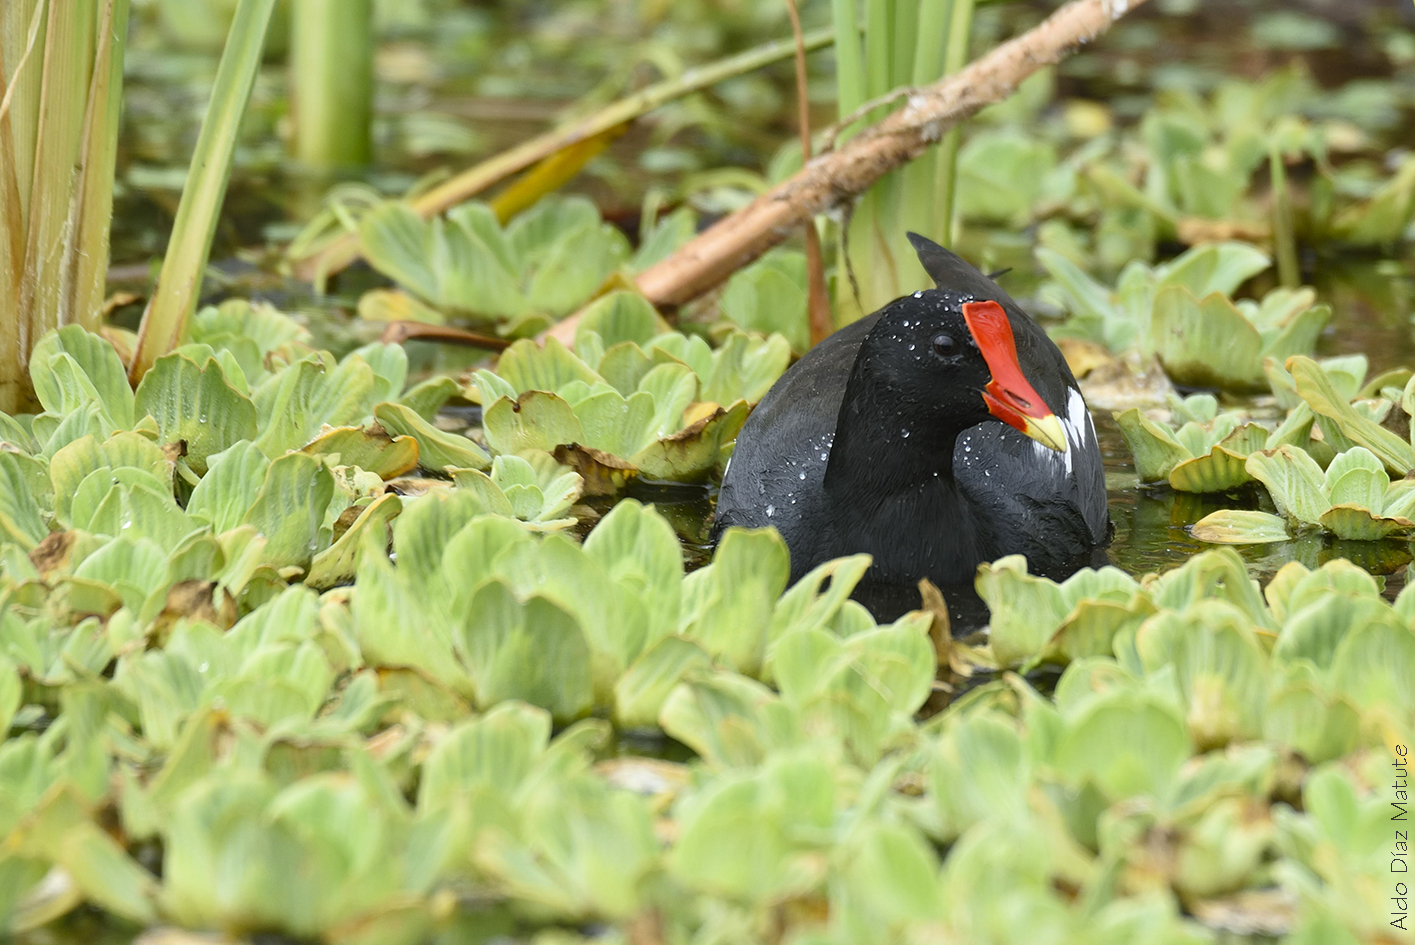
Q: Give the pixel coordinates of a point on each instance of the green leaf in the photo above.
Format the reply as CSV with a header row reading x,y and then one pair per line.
x,y
746,837
980,771
338,563
480,221
55,433
727,605
399,244
1316,389
614,424
390,369
1298,336
575,267
371,449
130,502
693,452
106,875
1084,295
1295,482
230,486
1240,527
437,450
534,651
20,519
1154,447
126,563
293,405
895,870
17,434
289,509
91,371
743,368
533,421
1220,667
623,366
528,366
250,331
1371,666
196,406
11,693
769,297
1206,343
472,276
72,464
618,317
1313,632
728,720
642,690
427,398
1025,610
1358,524
1215,267
804,607
1356,477
1311,723
1155,735
1221,470
667,235
496,752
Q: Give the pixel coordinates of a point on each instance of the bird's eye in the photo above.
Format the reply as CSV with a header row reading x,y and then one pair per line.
x,y
945,346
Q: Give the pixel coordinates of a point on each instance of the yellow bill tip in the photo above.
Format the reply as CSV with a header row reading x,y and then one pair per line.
x,y
1047,431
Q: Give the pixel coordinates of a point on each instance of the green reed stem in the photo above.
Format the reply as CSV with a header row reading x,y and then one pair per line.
x,y
164,323
331,59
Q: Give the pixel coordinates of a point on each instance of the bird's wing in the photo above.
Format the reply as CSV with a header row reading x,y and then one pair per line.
x,y
778,464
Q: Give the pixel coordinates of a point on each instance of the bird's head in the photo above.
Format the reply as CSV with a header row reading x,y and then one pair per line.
x,y
937,362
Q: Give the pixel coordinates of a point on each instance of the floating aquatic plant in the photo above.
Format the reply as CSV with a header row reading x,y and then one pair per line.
x,y
1205,453
1210,341
1120,317
543,265
1354,499
631,399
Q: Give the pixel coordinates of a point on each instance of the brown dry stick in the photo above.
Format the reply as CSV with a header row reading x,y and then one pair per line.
x,y
835,177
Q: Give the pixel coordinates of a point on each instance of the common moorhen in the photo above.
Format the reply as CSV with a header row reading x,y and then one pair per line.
x,y
940,432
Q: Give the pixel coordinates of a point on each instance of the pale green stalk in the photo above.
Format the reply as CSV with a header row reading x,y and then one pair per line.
x,y
84,274
907,42
68,69
164,323
879,42
849,64
20,25
19,19
960,30
1289,272
62,67
922,174
331,58
906,38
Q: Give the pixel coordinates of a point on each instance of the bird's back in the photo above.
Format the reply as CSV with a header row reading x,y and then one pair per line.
x,y
778,465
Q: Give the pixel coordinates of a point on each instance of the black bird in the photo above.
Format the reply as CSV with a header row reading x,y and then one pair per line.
x,y
940,432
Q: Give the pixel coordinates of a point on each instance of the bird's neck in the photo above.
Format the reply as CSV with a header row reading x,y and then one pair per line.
x,y
896,498
880,449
